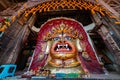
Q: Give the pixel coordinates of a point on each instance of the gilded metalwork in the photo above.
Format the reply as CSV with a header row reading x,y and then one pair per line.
x,y
62,29
67,4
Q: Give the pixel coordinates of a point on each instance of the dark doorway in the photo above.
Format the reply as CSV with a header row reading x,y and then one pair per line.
x,y
83,16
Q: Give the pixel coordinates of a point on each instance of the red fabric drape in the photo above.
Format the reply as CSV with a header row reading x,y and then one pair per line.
x,y
92,66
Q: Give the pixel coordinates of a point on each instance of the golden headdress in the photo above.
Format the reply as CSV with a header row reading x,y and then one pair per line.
x,y
61,29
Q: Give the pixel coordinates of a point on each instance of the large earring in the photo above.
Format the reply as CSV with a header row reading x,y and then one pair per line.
x,y
78,45
48,47
40,56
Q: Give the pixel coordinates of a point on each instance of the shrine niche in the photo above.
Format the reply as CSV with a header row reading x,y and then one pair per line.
x,y
63,47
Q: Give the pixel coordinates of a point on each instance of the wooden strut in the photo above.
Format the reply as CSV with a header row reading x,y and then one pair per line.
x,y
97,26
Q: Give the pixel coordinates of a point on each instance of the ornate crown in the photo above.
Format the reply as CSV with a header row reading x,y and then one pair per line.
x,y
61,29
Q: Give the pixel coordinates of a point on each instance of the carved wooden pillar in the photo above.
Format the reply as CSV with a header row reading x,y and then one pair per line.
x,y
13,40
108,7
107,29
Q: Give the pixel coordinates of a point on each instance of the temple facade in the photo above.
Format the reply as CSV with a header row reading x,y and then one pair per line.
x,y
25,35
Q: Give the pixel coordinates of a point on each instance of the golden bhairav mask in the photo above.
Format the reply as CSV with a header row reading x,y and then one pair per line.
x,y
63,42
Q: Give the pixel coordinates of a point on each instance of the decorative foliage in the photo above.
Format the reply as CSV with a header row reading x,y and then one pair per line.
x,y
118,22
67,4
52,5
4,24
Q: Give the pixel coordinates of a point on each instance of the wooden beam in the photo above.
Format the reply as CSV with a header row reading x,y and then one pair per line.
x,y
97,26
3,4
109,8
108,1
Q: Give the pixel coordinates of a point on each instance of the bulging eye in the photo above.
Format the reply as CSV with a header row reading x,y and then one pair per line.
x,y
56,39
68,38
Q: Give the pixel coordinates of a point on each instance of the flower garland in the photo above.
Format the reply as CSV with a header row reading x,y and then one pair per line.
x,y
4,24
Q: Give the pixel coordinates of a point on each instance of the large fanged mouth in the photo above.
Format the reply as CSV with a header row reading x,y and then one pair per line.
x,y
64,47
